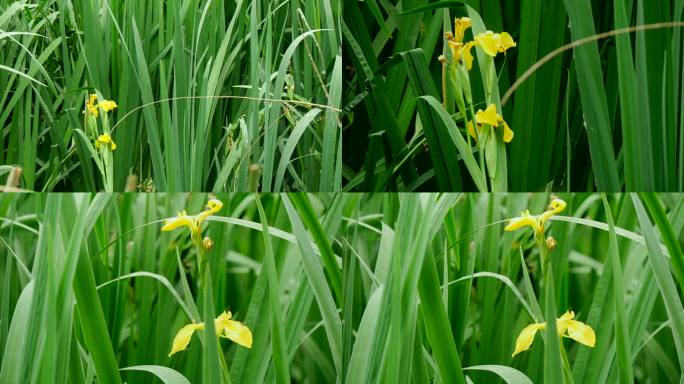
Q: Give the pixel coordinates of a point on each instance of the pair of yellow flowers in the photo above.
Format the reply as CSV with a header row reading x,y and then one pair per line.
x,y
492,44
567,326
93,109
223,324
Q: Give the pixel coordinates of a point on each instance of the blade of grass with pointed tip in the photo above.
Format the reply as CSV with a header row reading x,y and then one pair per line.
x,y
624,350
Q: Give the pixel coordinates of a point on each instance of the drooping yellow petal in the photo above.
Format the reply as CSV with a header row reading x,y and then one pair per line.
x,y
488,42
488,116
508,133
233,330
556,206
494,43
523,220
107,105
182,339
506,42
179,221
471,130
212,207
581,332
468,55
456,49
526,337
460,26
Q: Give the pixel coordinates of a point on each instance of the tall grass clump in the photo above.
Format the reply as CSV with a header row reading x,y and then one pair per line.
x,y
465,288
348,288
209,95
113,288
585,95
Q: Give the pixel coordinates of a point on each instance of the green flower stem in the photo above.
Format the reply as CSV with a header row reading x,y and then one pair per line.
x,y
204,270
554,370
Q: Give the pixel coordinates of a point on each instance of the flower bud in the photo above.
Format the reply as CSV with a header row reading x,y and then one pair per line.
x,y
551,243
207,243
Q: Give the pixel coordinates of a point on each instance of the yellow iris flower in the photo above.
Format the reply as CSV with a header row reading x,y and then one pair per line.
x,y
567,327
194,222
461,25
92,108
536,222
105,140
462,52
224,326
490,117
491,43
107,105
494,43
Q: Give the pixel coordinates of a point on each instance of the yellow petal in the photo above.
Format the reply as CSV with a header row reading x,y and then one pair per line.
x,y
233,330
468,55
523,220
505,42
488,42
556,206
526,337
179,221
213,206
92,99
238,333
104,140
460,26
508,133
107,105
182,339
471,130
456,50
488,116
581,333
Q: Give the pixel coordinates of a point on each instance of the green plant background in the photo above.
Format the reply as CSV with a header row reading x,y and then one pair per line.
x,y
605,116
187,57
350,288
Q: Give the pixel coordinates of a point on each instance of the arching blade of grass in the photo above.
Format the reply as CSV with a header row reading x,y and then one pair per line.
x,y
281,360
448,178
622,342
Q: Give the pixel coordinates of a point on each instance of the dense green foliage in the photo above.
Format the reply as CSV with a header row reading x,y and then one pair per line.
x,y
347,288
605,115
212,95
